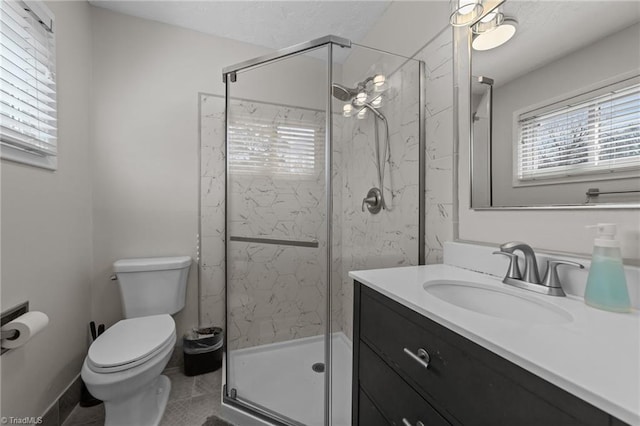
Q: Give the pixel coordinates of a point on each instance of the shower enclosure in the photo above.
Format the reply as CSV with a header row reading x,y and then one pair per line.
x,y
323,174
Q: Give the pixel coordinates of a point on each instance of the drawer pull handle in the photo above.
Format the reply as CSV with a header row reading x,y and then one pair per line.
x,y
421,358
406,422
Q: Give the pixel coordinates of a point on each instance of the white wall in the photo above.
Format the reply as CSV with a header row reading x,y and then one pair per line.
x,y
46,235
147,77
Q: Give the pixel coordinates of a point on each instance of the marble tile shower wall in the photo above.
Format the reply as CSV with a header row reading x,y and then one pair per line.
x,y
212,205
439,202
278,292
389,238
360,240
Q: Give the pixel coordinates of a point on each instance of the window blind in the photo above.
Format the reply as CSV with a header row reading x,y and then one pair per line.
x,y
263,147
598,132
28,111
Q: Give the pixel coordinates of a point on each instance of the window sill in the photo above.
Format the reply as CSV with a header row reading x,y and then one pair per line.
x,y
8,153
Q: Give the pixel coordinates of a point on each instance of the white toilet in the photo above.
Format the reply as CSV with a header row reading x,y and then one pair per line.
x,y
124,365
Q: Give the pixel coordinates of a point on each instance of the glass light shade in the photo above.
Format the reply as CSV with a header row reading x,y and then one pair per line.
x,y
361,98
497,37
489,22
464,12
362,113
347,110
377,102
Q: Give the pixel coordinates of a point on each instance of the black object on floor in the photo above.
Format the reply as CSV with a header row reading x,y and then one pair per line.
x,y
202,351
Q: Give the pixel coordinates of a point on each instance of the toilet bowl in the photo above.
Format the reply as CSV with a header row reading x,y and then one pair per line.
x,y
124,366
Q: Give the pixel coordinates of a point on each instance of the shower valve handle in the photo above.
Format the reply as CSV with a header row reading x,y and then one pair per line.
x,y
373,201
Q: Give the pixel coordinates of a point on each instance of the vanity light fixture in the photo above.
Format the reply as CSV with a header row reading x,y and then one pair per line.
x,y
347,110
496,36
463,12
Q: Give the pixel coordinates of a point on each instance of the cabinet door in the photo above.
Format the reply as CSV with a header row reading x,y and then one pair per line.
x,y
464,381
368,414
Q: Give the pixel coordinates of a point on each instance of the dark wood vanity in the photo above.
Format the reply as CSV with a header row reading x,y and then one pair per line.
x,y
461,384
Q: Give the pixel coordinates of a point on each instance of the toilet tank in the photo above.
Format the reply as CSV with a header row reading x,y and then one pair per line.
x,y
152,286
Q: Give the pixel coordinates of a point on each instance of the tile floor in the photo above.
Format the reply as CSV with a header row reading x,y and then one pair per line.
x,y
193,401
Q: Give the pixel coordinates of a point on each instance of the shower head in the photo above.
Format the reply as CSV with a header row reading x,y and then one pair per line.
x,y
342,93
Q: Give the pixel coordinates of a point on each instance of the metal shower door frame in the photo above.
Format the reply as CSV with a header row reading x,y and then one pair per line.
x,y
229,75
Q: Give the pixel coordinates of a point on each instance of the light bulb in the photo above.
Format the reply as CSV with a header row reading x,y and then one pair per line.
x,y
361,98
362,113
347,110
379,83
377,102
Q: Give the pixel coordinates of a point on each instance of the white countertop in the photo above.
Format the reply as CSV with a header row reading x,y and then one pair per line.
x,y
595,357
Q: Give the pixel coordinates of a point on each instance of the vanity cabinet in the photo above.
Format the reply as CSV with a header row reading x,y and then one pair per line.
x,y
455,382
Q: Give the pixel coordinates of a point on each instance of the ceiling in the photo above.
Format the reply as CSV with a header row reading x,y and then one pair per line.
x,y
272,24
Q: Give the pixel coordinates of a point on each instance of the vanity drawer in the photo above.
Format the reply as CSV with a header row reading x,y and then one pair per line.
x,y
397,401
465,382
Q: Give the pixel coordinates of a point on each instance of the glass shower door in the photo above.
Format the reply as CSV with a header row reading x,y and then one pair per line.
x,y
276,230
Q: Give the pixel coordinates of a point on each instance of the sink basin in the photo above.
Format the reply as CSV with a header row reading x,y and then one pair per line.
x,y
497,302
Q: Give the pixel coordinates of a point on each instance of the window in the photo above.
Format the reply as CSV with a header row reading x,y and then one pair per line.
x,y
264,147
28,119
594,133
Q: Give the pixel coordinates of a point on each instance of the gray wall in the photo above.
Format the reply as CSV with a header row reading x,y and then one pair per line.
x,y
147,77
46,235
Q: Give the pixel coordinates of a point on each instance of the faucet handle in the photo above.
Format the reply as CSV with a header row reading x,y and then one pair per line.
x,y
551,278
514,269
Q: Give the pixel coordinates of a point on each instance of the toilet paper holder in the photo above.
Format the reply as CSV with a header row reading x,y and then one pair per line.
x,y
8,316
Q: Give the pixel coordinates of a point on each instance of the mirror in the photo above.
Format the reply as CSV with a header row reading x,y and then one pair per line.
x,y
555,111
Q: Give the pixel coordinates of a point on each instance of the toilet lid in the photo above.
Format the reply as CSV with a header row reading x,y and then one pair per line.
x,y
130,342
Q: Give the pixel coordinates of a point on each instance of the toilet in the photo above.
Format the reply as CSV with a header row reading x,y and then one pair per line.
x,y
124,365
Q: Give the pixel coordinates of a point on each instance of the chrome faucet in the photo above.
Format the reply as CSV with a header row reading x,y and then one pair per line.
x,y
530,279
531,274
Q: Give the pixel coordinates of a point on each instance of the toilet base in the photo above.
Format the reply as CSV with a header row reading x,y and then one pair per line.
x,y
142,409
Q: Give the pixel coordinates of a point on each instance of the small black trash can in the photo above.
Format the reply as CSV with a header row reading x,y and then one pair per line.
x,y
202,350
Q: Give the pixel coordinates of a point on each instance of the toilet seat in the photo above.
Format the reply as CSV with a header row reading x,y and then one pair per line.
x,y
131,342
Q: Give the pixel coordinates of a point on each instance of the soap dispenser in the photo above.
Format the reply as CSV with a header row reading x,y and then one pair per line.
x,y
606,284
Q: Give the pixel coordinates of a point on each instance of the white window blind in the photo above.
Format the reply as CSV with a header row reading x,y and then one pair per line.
x,y
264,147
598,132
28,118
